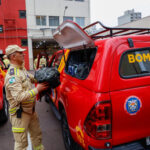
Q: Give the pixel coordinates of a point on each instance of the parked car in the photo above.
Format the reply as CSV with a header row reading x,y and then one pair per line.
x,y
103,100
3,100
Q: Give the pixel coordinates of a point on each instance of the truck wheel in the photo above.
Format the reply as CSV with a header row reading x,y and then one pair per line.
x,y
4,112
70,144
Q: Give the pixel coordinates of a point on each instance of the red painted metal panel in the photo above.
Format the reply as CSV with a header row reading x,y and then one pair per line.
x,y
127,127
14,27
1,91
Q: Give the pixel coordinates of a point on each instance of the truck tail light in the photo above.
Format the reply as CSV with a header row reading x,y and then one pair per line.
x,y
98,122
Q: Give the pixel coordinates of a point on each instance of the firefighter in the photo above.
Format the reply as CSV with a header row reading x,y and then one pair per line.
x,y
6,61
21,98
42,62
35,62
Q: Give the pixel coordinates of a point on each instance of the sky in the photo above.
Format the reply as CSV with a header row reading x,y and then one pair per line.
x,y
108,11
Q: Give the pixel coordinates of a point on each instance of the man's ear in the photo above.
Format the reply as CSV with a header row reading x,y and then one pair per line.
x,y
12,57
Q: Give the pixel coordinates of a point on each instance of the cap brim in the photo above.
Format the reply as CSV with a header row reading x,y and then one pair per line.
x,y
21,50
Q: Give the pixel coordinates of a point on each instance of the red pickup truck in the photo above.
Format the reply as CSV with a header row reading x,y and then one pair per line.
x,y
104,97
3,100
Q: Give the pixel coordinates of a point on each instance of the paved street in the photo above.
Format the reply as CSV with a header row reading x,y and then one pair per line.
x,y
52,137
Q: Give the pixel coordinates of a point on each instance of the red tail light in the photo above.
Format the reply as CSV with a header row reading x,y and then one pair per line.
x,y
98,122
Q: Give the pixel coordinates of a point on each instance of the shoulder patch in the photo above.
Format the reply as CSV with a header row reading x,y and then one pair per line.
x,y
12,80
12,71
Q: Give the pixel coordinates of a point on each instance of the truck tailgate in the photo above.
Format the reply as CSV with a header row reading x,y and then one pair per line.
x,y
130,114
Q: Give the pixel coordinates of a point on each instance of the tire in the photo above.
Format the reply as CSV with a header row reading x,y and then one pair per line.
x,y
4,112
70,144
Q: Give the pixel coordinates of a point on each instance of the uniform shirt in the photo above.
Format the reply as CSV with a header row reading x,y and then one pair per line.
x,y
19,91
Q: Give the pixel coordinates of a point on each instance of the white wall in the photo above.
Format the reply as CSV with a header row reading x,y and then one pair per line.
x,y
56,8
52,8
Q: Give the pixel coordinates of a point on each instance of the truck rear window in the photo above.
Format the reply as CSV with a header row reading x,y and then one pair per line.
x,y
135,63
79,62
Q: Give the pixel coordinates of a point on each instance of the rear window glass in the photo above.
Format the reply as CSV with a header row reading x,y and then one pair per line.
x,y
135,63
80,62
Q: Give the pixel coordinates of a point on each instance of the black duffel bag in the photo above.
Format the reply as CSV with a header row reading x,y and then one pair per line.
x,y
49,75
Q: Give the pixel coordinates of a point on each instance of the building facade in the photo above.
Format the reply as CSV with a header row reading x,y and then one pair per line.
x,y
43,17
13,25
141,23
129,16
31,23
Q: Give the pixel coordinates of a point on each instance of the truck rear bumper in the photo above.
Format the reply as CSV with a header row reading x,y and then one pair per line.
x,y
129,146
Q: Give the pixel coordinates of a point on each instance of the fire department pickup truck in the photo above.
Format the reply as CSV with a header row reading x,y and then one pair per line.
x,y
104,97
3,101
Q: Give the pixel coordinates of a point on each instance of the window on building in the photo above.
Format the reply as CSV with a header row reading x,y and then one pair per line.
x,y
0,2
80,0
80,21
67,18
53,21
1,28
41,20
22,13
24,42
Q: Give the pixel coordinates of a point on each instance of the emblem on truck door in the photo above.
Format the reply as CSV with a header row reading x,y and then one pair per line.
x,y
133,105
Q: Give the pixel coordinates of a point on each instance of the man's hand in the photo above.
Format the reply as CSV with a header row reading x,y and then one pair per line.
x,y
42,86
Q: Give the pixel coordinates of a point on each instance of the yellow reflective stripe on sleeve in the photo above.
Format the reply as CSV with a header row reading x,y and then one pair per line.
x,y
32,98
18,130
32,93
13,110
40,147
28,101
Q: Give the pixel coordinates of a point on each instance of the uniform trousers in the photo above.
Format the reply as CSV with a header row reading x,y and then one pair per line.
x,y
21,127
